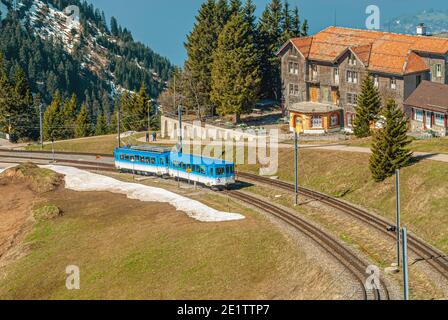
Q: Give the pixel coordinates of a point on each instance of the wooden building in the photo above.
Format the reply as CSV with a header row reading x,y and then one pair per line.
x,y
427,108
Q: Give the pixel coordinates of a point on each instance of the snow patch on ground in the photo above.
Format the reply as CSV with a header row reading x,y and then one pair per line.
x,y
80,180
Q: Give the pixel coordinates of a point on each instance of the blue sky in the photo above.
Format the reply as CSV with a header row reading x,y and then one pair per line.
x,y
163,24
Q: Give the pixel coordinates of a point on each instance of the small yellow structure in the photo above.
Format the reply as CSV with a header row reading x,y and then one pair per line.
x,y
315,118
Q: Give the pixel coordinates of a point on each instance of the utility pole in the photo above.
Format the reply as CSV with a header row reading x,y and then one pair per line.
x,y
397,186
41,128
149,123
52,149
179,111
296,165
118,127
405,264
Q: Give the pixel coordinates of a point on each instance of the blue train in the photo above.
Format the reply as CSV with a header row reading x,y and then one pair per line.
x,y
162,161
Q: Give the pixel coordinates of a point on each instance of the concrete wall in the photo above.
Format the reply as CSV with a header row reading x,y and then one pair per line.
x,y
198,131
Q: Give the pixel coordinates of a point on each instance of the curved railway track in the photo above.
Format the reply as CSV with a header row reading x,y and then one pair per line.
x,y
422,250
344,256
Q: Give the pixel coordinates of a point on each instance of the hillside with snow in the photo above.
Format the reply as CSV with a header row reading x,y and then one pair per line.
x,y
96,58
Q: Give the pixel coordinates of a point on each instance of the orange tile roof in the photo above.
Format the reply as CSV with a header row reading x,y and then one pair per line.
x,y
379,51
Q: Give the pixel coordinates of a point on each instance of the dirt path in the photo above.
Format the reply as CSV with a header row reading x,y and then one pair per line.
x,y
15,220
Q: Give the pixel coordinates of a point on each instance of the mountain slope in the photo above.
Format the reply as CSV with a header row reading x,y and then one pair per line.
x,y
77,54
435,20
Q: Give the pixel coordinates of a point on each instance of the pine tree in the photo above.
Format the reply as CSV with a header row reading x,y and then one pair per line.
x,y
235,73
52,120
367,109
389,147
83,125
249,14
201,44
269,40
305,28
287,22
101,125
235,7
296,23
68,118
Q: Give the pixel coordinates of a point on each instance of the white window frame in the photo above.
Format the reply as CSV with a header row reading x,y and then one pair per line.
x,y
316,122
293,89
334,120
439,119
376,80
293,68
418,115
352,60
336,75
438,70
393,83
428,122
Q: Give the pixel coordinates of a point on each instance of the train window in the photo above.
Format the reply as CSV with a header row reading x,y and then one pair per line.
x,y
184,166
137,158
162,161
202,169
126,157
121,157
227,169
153,160
220,171
211,171
142,159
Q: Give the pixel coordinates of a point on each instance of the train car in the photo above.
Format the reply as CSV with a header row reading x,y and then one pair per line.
x,y
213,173
144,160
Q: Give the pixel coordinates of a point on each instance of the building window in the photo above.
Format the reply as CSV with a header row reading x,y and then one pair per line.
x,y
418,115
438,70
376,80
334,120
314,72
336,75
352,98
393,83
293,68
349,120
352,60
316,122
439,119
293,89
352,77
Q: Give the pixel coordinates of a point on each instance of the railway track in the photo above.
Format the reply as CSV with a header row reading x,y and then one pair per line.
x,y
344,256
425,252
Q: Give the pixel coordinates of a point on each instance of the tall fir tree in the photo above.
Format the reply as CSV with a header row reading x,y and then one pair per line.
x,y
305,28
235,7
270,37
101,127
200,45
53,120
235,72
83,124
390,144
367,109
68,114
296,31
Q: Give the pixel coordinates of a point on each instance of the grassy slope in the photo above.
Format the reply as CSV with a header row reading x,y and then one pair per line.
x,y
126,250
436,145
346,175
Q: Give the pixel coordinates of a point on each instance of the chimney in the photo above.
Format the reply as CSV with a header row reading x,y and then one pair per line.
x,y
421,29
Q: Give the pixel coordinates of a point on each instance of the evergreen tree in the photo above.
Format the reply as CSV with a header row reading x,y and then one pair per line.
x,y
305,28
235,7
296,32
235,73
114,26
83,125
68,118
389,147
367,109
201,44
269,40
101,125
53,120
249,14
287,22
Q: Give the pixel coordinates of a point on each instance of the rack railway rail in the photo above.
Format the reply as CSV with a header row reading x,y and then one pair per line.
x,y
344,256
422,250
